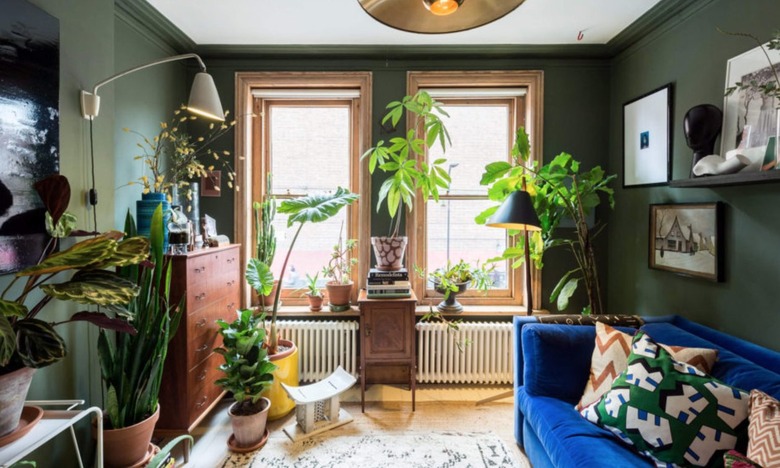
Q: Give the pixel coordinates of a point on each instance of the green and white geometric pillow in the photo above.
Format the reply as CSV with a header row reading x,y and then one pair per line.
x,y
671,411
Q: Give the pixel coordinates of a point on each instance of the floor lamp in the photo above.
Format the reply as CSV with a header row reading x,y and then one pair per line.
x,y
517,212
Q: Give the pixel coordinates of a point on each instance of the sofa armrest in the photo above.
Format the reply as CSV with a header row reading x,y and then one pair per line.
x,y
556,360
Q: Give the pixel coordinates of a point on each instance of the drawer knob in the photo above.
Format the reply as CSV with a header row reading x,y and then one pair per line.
x,y
231,282
231,259
202,348
201,323
202,376
200,297
202,402
231,306
200,269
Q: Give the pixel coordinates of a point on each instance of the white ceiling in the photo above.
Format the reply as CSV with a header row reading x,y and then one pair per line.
x,y
340,22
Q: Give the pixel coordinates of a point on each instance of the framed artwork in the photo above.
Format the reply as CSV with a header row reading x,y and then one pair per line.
x,y
210,184
29,127
749,118
647,139
687,239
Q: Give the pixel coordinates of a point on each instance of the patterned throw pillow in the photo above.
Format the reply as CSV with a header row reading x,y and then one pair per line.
x,y
610,357
671,411
764,429
734,459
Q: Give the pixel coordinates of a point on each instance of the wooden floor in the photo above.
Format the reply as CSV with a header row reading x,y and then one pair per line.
x,y
434,412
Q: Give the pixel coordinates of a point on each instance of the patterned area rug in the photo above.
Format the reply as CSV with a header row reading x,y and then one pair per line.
x,y
384,450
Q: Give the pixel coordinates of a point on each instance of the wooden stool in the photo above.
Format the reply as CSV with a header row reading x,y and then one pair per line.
x,y
317,405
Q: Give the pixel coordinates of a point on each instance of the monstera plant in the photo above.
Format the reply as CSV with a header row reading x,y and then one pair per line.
x,y
28,342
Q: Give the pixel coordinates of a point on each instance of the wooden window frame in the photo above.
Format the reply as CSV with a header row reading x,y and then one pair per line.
x,y
249,143
528,113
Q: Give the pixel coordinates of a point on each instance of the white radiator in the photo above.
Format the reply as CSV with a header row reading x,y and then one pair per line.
x,y
322,346
486,360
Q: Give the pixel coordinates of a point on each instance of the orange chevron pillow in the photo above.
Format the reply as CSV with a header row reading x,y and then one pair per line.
x,y
610,358
764,429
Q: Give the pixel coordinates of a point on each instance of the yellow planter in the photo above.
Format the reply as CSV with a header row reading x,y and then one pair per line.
x,y
287,372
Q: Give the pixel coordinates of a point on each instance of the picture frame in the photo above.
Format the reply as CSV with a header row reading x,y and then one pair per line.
x,y
687,239
749,120
647,139
210,184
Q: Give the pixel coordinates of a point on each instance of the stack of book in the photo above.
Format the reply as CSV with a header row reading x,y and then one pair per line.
x,y
388,284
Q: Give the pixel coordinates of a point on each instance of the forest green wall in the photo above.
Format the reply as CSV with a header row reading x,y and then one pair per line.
x,y
576,96
692,55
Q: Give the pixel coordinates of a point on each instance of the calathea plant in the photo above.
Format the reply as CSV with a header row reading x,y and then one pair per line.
x,y
26,340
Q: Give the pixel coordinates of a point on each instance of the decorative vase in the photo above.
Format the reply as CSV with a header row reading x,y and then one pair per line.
x,y
129,446
144,209
191,204
338,294
315,302
13,392
248,429
287,372
450,304
389,252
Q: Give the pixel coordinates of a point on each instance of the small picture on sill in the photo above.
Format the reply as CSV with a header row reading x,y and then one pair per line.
x,y
210,184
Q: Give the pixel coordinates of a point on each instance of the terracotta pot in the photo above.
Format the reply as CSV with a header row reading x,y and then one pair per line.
x,y
249,429
338,294
315,302
389,252
451,305
128,446
287,372
13,392
268,301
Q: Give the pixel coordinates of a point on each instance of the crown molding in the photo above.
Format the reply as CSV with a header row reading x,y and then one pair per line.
x,y
664,15
153,25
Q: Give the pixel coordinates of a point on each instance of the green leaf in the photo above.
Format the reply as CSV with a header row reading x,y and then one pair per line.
x,y
566,293
521,150
7,341
83,253
259,277
12,309
316,208
485,215
561,283
38,345
112,407
99,287
64,227
494,171
157,460
130,251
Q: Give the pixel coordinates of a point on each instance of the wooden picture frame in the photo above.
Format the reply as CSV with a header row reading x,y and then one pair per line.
x,y
687,239
210,184
647,139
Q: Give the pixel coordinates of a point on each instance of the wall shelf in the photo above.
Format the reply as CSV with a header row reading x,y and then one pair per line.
x,y
726,180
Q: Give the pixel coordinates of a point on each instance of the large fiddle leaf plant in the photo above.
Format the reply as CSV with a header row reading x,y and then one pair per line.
x,y
559,190
308,209
27,341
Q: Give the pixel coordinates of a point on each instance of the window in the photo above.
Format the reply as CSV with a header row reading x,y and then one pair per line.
x,y
308,130
485,109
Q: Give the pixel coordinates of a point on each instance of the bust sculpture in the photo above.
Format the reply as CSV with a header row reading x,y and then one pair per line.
x,y
702,125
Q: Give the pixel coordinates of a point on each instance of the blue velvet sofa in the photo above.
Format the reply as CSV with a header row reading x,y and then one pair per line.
x,y
552,367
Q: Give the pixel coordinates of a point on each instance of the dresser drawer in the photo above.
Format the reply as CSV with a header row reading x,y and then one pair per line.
x,y
203,390
204,293
203,331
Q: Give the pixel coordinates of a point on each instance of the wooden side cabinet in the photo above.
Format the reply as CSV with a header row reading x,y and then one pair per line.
x,y
209,280
387,343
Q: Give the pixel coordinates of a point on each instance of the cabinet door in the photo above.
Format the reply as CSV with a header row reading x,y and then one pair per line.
x,y
388,331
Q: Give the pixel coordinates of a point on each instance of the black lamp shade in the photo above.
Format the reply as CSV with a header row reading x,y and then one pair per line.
x,y
517,212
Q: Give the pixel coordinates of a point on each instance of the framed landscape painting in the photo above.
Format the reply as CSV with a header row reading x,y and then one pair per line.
x,y
687,239
647,139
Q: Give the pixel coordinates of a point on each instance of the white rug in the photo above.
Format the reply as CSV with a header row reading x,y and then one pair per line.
x,y
383,450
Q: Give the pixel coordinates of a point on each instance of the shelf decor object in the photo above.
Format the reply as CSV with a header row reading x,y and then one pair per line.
x,y
687,239
647,139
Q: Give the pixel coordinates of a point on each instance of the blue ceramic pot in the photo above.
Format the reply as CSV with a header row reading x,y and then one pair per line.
x,y
144,209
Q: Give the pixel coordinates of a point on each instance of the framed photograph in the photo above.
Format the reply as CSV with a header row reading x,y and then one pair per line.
x,y
749,118
687,239
647,138
211,184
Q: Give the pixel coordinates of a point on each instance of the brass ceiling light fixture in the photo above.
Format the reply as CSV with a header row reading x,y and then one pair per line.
x,y
438,16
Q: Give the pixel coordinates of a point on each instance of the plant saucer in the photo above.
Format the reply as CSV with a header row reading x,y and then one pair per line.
x,y
30,417
231,442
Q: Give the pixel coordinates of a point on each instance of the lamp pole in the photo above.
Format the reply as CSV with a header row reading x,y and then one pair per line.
x,y
449,173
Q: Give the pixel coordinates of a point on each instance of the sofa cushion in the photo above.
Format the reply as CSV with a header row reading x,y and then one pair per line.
x,y
610,357
764,429
670,410
568,440
734,459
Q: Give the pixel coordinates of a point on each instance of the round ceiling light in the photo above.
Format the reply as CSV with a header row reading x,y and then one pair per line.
x,y
415,15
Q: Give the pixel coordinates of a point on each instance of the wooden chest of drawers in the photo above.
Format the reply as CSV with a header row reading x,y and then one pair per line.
x,y
209,280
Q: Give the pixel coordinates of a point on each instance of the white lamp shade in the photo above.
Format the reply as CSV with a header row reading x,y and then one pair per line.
x,y
204,99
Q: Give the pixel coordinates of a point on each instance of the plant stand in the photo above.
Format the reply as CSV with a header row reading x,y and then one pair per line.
x,y
53,423
318,408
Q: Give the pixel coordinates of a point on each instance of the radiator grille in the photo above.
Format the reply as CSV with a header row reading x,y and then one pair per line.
x,y
486,360
322,346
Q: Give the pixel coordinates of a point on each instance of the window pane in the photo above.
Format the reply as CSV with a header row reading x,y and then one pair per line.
x,y
311,251
310,148
480,135
467,240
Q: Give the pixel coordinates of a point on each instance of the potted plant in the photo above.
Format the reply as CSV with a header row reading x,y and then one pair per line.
x,y
456,279
28,343
311,208
339,270
132,365
265,236
403,160
248,373
560,190
313,293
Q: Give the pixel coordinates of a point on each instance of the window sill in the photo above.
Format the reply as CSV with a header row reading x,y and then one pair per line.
x,y
497,311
